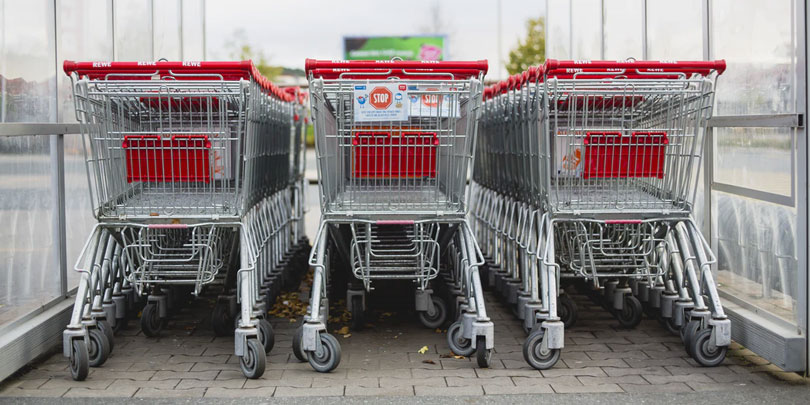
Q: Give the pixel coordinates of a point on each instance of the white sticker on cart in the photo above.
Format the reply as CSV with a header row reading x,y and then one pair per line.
x,y
431,101
380,102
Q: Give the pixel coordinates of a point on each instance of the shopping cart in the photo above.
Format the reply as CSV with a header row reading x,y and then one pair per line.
x,y
189,171
394,142
587,171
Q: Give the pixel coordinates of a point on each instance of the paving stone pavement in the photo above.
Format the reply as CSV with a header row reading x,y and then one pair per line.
x,y
188,361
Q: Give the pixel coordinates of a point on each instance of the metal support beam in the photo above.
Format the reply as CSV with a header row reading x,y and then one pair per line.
x,y
36,128
758,121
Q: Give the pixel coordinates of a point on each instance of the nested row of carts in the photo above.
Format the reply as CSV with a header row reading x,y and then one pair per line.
x,y
574,174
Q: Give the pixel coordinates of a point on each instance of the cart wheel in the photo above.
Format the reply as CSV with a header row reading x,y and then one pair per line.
x,y
651,311
327,357
120,324
99,348
358,315
482,354
254,360
105,327
296,344
595,295
534,354
267,337
458,344
630,315
688,333
79,360
669,324
704,352
439,316
567,310
151,324
221,320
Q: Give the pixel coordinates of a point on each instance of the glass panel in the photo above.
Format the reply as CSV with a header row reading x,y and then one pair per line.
x,y
674,30
559,30
28,270
85,33
193,29
757,158
167,29
27,62
756,252
586,28
79,40
27,93
133,30
761,56
623,27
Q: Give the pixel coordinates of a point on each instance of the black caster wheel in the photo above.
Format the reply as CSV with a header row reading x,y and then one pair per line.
x,y
254,360
669,325
358,315
221,320
688,332
458,344
704,352
296,345
438,317
630,315
151,323
120,324
567,310
535,355
327,357
267,336
482,355
79,360
99,348
105,327
650,311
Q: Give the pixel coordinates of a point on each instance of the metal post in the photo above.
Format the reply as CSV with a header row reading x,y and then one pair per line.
x,y
57,144
602,30
644,30
802,152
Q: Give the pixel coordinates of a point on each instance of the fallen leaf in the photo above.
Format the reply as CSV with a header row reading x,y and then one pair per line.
x,y
438,330
457,357
428,362
423,350
292,320
446,356
342,331
347,335
396,337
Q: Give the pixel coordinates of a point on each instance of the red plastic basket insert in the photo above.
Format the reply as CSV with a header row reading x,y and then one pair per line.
x,y
382,154
613,155
182,158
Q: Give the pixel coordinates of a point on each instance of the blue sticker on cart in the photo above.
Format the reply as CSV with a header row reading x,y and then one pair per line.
x,y
363,87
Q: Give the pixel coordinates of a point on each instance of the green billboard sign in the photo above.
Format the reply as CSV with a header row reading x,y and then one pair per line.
x,y
430,47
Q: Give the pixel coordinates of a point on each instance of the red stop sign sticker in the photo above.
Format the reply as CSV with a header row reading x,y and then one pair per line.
x,y
380,98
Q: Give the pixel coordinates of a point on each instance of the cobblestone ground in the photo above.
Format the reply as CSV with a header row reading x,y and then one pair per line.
x,y
189,361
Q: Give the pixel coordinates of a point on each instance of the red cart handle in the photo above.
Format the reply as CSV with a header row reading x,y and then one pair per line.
x,y
142,70
437,66
372,74
643,65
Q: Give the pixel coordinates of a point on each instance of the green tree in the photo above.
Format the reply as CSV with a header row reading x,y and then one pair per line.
x,y
240,49
532,50
245,52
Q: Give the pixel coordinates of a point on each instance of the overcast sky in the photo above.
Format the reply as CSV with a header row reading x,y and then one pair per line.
x,y
290,31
